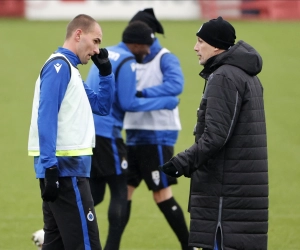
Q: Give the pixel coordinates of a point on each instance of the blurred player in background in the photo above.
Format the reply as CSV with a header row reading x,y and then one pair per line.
x,y
62,136
109,161
151,136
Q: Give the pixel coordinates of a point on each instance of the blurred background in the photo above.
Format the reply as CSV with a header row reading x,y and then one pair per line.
x,y
31,30
123,10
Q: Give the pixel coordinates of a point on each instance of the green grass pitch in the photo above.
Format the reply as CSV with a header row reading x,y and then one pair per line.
x,y
25,45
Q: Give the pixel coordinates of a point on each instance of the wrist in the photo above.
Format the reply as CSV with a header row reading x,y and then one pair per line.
x,y
105,69
104,73
51,172
144,93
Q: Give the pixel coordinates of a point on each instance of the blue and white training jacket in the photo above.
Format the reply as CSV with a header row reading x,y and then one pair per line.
x,y
62,129
123,61
156,127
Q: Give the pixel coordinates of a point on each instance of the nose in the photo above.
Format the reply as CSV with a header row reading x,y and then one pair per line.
x,y
195,47
96,50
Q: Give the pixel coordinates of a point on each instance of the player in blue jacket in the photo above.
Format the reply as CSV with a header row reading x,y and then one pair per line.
x,y
109,161
62,136
151,136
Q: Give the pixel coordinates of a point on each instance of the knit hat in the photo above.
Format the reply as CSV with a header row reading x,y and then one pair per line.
x,y
218,33
138,32
147,16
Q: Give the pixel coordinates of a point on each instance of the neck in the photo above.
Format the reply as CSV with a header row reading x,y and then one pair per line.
x,y
69,46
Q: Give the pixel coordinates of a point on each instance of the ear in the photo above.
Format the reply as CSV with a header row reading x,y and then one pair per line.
x,y
77,34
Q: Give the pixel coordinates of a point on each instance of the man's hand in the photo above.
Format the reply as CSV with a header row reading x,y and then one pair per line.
x,y
102,62
50,192
169,169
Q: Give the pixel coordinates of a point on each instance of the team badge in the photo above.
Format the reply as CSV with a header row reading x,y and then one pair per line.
x,y
156,177
124,164
90,216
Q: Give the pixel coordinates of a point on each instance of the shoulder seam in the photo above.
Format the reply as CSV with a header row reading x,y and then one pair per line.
x,y
54,58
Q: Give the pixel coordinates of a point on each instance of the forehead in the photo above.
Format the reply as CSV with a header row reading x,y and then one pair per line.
x,y
96,32
143,46
199,39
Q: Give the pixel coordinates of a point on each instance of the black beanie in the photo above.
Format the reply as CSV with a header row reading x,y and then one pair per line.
x,y
218,33
147,16
138,32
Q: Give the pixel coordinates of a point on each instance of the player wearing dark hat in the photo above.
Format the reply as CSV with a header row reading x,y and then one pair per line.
x,y
147,16
228,162
109,161
151,135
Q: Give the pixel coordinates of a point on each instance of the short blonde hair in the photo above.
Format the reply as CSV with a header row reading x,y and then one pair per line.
x,y
83,22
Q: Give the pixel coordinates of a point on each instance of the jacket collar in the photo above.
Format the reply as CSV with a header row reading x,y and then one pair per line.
x,y
209,67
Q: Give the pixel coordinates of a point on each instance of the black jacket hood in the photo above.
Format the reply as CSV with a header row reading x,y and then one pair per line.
x,y
241,55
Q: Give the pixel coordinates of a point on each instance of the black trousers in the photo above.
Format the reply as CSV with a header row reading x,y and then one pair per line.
x,y
70,221
117,211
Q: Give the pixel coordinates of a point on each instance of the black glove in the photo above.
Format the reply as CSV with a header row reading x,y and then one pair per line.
x,y
169,169
102,62
50,192
139,94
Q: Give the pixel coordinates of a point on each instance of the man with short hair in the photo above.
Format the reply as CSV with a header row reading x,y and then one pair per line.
x,y
62,136
228,163
109,161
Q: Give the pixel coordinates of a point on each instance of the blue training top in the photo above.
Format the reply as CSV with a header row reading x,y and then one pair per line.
x,y
52,90
173,82
123,61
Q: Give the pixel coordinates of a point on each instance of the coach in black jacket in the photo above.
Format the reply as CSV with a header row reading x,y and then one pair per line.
x,y
228,163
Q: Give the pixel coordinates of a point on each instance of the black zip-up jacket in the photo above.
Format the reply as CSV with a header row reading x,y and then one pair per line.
x,y
228,162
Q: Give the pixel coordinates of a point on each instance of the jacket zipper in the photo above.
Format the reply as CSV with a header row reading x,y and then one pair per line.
x,y
219,224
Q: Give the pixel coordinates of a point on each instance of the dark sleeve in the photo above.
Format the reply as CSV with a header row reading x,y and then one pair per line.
x,y
222,111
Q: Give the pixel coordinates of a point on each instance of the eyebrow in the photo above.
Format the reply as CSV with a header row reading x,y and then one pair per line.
x,y
98,40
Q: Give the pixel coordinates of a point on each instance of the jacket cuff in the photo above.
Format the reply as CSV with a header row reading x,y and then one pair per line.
x,y
144,92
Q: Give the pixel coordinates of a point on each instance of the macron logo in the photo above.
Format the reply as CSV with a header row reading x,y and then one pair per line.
x,y
57,67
